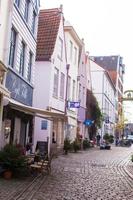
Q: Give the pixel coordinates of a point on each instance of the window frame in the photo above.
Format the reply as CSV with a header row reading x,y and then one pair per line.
x,y
33,21
56,82
13,40
60,48
29,68
26,10
75,55
17,3
62,85
71,50
22,58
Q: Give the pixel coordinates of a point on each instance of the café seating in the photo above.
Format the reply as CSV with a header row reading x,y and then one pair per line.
x,y
41,164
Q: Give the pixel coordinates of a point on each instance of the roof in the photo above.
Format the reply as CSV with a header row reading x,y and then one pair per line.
x,y
68,27
48,26
107,62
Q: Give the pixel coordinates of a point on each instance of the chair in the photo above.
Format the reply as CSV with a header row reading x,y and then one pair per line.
x,y
42,165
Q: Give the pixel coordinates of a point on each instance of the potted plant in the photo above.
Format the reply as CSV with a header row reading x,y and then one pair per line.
x,y
12,160
86,144
76,145
109,139
67,145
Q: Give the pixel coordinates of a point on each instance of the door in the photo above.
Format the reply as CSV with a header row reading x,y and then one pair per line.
x,y
23,133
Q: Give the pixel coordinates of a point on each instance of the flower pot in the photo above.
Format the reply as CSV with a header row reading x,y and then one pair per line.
x,y
7,175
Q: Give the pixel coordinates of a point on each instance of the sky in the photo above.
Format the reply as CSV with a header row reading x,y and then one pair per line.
x,y
107,29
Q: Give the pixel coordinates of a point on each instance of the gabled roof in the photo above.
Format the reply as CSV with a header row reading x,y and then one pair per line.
x,y
68,27
107,62
48,26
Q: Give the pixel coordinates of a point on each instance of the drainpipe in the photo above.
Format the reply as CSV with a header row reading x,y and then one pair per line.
x,y
66,96
102,105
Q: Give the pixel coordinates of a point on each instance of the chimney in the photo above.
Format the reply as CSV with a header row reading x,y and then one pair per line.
x,y
61,8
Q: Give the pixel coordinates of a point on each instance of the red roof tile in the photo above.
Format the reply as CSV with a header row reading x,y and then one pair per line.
x,y
48,26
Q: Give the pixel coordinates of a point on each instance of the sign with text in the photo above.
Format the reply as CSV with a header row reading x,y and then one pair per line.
x,y
73,104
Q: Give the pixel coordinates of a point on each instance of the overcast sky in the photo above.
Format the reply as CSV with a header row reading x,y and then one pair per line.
x,y
105,25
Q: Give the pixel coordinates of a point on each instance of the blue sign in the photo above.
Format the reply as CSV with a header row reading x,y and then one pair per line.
x,y
73,104
88,122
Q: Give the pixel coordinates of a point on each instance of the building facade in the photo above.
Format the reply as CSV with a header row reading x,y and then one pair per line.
x,y
19,58
4,93
116,69
73,46
50,80
104,91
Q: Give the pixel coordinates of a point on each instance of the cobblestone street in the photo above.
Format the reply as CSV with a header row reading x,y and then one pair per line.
x,y
93,174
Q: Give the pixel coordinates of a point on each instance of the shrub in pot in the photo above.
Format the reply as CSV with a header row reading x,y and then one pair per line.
x,y
12,159
76,145
86,144
67,145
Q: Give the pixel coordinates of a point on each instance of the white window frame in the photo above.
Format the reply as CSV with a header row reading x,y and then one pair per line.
x,y
62,85
56,82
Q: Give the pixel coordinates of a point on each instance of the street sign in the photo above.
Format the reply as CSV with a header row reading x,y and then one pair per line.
x,y
88,122
73,104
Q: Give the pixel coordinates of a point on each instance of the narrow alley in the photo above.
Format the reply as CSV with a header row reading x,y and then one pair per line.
x,y
94,174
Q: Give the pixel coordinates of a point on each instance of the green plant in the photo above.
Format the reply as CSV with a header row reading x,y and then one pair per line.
x,y
76,145
12,159
108,138
67,145
86,144
132,158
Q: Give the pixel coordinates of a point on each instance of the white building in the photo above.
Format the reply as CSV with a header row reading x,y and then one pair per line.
x,y
50,80
4,8
73,45
19,57
104,91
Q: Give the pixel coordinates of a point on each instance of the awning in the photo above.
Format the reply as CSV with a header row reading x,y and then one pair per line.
x,y
35,111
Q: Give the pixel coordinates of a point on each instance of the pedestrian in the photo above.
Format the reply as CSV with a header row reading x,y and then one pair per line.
x,y
117,141
98,139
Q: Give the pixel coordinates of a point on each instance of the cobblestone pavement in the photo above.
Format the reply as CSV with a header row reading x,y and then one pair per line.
x,y
89,175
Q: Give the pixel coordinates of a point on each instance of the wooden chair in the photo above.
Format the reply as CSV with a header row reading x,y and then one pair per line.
x,y
41,166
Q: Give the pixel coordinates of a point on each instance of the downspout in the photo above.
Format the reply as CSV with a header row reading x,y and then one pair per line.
x,y
65,109
102,103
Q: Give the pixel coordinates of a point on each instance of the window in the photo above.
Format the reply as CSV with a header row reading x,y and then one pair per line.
x,y
69,87
44,125
83,96
26,12
17,2
22,58
62,83
33,22
71,50
73,91
12,47
75,55
79,92
56,80
60,49
29,66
